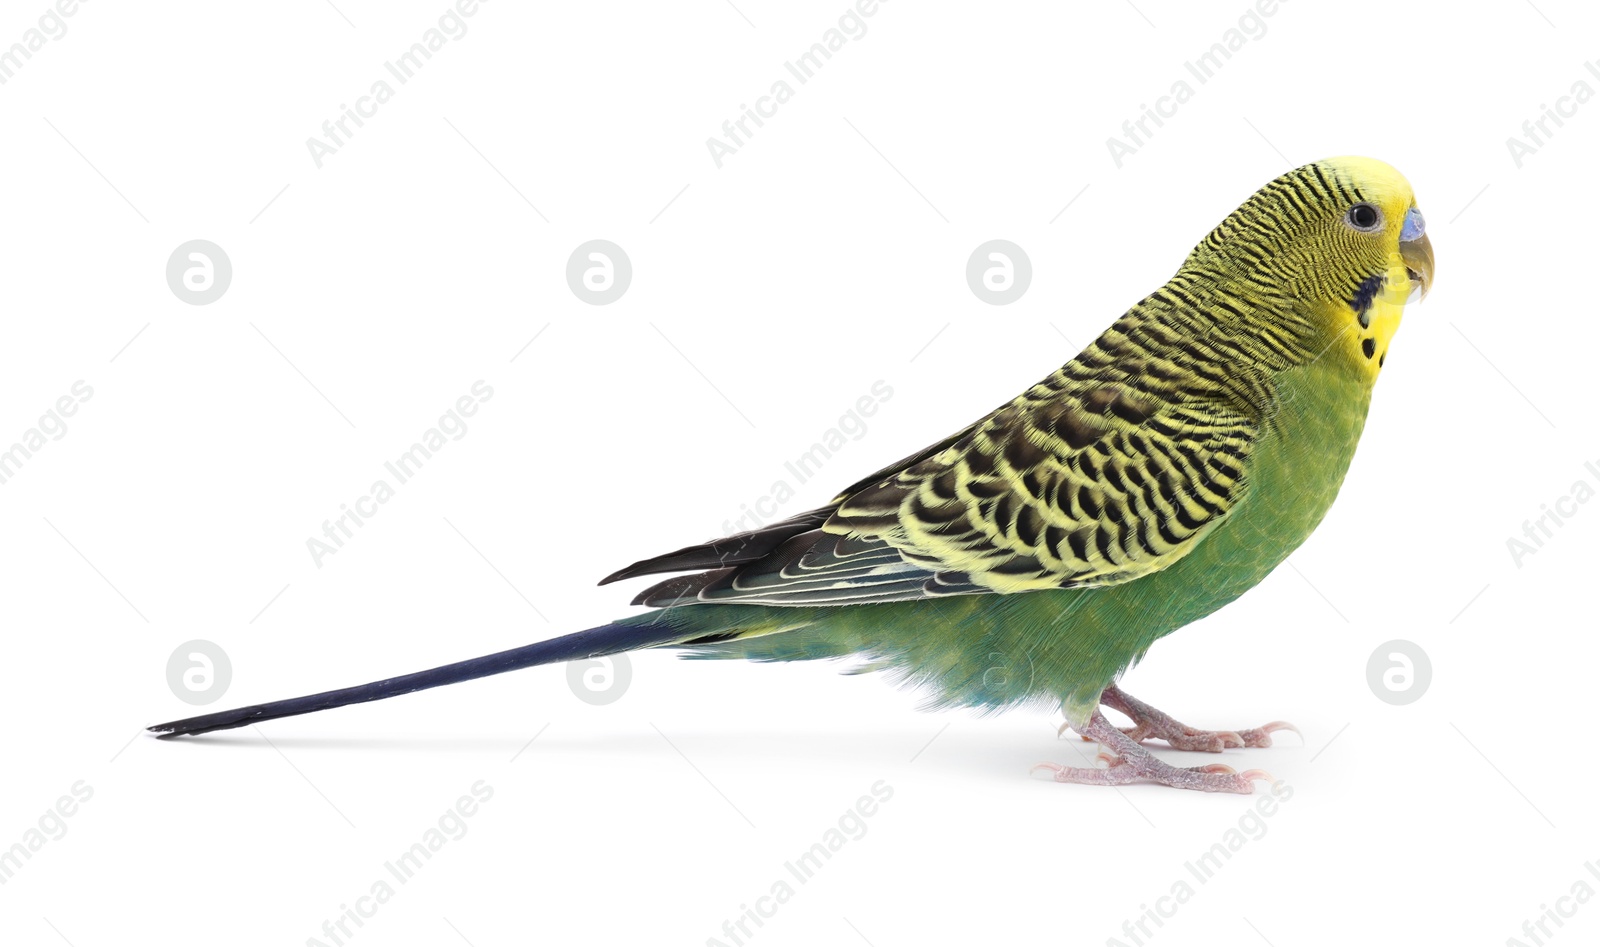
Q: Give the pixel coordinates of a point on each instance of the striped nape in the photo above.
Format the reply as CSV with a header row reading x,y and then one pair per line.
x,y
1309,278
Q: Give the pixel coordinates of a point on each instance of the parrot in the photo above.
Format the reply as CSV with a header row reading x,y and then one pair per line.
x,y
1037,554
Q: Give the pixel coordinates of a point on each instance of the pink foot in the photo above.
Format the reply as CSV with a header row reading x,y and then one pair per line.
x,y
1150,723
1133,763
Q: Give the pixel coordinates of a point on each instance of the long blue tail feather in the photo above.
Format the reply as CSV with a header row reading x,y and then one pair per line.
x,y
590,643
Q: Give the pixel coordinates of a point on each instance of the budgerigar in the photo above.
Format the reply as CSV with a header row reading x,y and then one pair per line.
x,y
1037,553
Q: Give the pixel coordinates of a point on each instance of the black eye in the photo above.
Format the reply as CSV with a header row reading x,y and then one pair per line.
x,y
1364,217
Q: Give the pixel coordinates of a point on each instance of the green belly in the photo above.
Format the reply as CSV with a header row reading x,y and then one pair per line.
x,y
1000,650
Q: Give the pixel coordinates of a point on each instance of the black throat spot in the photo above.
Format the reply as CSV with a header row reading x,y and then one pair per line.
x,y
1361,302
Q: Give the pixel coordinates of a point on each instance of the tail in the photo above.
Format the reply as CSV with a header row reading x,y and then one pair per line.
x,y
592,643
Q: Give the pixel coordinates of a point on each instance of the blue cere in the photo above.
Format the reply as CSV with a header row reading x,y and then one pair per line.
x,y
1414,226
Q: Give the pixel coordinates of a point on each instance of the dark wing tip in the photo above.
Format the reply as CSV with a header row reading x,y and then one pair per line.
x,y
626,572
731,550
710,555
707,556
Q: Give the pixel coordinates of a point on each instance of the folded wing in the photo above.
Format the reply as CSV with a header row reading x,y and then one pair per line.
x,y
1111,468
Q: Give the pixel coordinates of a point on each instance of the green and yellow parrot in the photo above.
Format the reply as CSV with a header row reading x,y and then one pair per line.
x,y
1037,553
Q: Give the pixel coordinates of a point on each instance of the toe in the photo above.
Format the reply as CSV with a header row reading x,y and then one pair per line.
x,y
1262,736
1203,741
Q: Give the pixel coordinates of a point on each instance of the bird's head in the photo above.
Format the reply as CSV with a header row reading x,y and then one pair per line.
x,y
1344,246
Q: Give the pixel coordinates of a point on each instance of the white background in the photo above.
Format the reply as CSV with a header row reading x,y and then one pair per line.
x,y
766,298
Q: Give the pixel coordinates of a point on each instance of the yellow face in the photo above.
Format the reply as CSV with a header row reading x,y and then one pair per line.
x,y
1385,232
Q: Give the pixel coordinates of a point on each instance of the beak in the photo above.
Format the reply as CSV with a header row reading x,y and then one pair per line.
x,y
1417,255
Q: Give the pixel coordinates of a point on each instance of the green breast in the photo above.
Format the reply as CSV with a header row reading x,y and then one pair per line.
x,y
1295,476
1064,647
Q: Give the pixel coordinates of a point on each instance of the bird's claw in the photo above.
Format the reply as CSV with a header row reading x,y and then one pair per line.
x,y
1262,735
1120,771
1123,758
1150,723
1200,741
